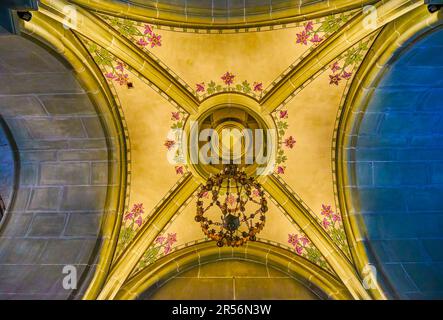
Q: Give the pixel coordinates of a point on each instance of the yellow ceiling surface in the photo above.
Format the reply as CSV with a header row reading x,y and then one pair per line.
x,y
294,76
253,57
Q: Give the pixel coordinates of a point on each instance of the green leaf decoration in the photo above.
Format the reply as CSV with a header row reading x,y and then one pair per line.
x,y
150,256
246,87
103,57
93,47
211,87
313,254
332,24
338,235
125,27
282,125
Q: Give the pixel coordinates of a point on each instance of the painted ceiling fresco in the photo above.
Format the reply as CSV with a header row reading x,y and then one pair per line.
x,y
297,76
207,63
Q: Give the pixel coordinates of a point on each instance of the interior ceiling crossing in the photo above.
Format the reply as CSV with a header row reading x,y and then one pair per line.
x,y
159,75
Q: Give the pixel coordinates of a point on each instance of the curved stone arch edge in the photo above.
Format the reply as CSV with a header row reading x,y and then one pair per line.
x,y
393,40
298,268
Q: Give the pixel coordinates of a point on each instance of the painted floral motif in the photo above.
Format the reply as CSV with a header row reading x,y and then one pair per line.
x,y
169,144
200,87
332,223
352,57
162,246
228,78
228,84
290,142
178,120
113,69
142,34
132,221
284,142
179,170
304,248
315,35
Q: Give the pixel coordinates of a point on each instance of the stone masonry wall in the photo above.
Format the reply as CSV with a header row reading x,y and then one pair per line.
x,y
59,203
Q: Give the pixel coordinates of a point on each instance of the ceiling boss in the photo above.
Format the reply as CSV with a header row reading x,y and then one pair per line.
x,y
233,144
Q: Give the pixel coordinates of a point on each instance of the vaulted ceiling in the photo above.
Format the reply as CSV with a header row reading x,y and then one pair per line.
x,y
298,65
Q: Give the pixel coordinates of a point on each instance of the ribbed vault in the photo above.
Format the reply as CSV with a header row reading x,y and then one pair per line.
x,y
129,80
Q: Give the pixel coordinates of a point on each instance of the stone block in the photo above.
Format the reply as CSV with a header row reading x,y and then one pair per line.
x,y
400,173
55,128
39,83
100,173
83,225
73,155
17,225
11,106
67,104
22,251
47,225
62,251
45,198
397,275
64,173
93,127
91,198
382,200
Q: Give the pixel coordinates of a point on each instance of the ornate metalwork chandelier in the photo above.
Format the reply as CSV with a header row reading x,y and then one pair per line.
x,y
231,207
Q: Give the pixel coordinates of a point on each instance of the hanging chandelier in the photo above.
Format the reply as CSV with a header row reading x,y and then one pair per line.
x,y
231,207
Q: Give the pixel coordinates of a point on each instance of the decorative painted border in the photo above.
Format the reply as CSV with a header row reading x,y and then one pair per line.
x,y
206,89
198,90
280,118
86,43
335,229
154,253
369,41
249,29
303,248
348,16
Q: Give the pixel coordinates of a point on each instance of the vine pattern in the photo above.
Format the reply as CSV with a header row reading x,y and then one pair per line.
x,y
132,222
113,69
162,246
316,35
228,84
284,142
333,225
305,248
143,34
174,144
340,70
